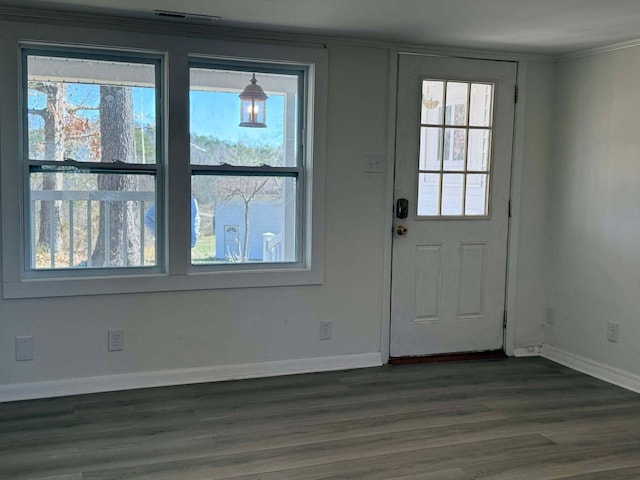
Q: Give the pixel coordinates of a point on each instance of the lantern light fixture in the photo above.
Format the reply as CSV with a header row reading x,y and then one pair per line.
x,y
253,105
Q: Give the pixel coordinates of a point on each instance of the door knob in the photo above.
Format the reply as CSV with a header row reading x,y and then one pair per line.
x,y
401,230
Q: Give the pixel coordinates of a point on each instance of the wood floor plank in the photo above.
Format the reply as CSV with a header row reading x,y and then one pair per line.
x,y
632,473
310,462
449,474
430,429
565,461
511,419
516,462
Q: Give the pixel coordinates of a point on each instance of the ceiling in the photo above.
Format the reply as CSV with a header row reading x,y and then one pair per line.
x,y
552,27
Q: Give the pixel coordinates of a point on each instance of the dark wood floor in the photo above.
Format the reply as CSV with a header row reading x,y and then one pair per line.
x,y
515,419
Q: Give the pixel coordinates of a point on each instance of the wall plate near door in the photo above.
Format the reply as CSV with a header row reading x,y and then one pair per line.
x,y
374,163
613,330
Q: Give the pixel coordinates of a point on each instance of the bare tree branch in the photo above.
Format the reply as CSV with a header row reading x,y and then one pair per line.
x,y
79,137
41,112
78,108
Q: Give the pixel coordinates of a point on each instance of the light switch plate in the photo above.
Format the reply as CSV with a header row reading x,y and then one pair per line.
x,y
374,163
613,331
24,348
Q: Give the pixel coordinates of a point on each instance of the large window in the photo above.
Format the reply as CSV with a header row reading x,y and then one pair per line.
x,y
92,162
158,162
246,170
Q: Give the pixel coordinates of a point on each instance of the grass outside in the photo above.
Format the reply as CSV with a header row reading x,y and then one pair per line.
x,y
205,249
203,252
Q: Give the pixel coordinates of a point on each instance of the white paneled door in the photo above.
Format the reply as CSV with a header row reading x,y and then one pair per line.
x,y
453,165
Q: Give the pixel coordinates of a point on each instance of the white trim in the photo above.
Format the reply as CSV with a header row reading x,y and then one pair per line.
x,y
515,191
531,351
385,325
217,31
616,376
600,50
163,378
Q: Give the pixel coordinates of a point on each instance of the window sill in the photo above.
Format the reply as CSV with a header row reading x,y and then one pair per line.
x,y
108,285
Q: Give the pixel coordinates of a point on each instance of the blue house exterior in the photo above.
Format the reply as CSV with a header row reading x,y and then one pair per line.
x,y
264,217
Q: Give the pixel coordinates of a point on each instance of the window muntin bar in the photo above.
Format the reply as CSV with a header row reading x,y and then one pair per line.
x,y
455,148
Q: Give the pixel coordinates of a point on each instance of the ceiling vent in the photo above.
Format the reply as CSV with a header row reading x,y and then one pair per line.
x,y
185,16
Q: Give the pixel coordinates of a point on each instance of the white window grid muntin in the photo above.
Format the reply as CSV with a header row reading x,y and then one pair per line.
x,y
29,165
296,172
465,172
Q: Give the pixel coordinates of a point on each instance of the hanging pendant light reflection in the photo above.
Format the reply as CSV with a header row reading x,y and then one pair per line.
x,y
253,105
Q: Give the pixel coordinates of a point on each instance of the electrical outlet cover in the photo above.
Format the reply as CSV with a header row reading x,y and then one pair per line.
x,y
116,340
325,330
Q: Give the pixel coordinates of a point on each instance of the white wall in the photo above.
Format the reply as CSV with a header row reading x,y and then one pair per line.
x,y
181,330
537,96
594,248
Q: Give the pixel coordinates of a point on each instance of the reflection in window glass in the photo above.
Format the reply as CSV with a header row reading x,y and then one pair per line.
x,y
457,102
432,102
455,144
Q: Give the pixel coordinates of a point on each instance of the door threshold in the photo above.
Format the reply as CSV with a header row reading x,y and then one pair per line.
x,y
449,357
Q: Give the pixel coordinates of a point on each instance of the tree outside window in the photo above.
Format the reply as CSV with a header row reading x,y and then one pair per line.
x,y
91,147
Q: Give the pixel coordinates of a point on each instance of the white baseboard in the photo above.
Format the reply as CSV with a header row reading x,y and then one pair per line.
x,y
610,374
127,381
532,351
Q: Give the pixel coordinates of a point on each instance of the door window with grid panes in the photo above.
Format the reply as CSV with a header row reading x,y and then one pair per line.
x,y
455,148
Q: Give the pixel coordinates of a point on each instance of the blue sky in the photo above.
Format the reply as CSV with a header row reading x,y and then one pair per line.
x,y
218,114
214,114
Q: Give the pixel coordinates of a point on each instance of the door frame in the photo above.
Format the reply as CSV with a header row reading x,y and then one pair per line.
x,y
517,159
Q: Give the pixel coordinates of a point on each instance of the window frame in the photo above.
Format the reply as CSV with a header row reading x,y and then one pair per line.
x,y
176,273
157,169
297,172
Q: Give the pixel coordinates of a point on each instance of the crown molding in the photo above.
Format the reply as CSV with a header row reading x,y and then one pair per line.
x,y
600,50
221,32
